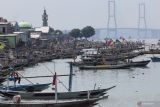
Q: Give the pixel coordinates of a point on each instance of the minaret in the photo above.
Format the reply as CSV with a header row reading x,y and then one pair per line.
x,y
45,18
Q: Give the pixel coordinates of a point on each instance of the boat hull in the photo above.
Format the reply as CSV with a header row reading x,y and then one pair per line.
x,y
139,63
122,66
46,103
60,95
155,59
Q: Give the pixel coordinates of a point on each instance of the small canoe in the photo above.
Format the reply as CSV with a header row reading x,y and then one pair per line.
x,y
52,103
155,59
107,66
28,87
61,95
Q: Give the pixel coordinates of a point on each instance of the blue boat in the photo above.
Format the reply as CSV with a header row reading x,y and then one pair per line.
x,y
28,87
155,59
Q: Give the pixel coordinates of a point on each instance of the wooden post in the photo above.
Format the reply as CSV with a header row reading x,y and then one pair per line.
x,y
70,76
88,94
7,82
56,98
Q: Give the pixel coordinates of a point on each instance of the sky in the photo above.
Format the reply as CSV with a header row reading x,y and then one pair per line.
x,y
69,14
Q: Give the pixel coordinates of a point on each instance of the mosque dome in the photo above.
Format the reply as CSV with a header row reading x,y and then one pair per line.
x,y
24,24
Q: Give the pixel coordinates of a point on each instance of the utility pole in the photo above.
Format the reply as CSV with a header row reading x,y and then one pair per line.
x,y
142,26
111,17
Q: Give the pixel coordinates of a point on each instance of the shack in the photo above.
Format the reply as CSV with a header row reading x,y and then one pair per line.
x,y
12,39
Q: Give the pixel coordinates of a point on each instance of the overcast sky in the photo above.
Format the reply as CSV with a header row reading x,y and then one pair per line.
x,y
68,14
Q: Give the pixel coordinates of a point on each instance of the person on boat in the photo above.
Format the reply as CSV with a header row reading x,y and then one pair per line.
x,y
17,99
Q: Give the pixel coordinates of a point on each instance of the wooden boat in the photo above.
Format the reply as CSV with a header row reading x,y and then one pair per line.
x,y
155,59
105,66
139,63
53,103
28,87
61,95
109,57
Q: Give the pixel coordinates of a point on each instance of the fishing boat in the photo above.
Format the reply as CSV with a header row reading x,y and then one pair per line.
x,y
155,59
139,63
87,102
28,87
105,66
61,95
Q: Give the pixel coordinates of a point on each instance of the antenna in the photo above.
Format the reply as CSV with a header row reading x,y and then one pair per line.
x,y
142,26
111,17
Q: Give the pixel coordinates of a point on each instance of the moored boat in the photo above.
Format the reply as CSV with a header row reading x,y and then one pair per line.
x,y
28,87
61,95
105,66
139,63
87,102
155,59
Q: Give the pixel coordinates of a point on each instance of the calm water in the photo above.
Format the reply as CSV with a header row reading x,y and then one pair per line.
x,y
133,85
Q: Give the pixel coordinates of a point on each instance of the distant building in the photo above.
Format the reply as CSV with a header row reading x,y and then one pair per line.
x,y
5,26
23,36
45,18
24,26
11,39
44,30
15,26
35,34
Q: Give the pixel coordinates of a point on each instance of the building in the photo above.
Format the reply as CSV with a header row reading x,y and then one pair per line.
x,y
44,30
35,34
15,26
24,26
5,26
45,18
23,36
11,39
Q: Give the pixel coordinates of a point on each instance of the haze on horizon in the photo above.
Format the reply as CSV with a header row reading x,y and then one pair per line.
x,y
69,14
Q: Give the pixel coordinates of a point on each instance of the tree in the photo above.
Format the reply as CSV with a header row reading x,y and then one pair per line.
x,y
88,31
75,33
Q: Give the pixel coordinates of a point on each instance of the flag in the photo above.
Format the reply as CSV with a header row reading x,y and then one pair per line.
x,y
54,79
109,42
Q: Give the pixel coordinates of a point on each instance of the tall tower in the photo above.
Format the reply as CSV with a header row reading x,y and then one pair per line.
x,y
142,26
45,18
111,27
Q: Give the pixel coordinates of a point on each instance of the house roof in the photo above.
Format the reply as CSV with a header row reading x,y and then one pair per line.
x,y
43,29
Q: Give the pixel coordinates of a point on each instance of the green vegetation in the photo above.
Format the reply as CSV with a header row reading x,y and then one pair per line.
x,y
86,32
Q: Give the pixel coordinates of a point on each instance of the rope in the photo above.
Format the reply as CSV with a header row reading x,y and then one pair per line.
x,y
25,78
57,78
